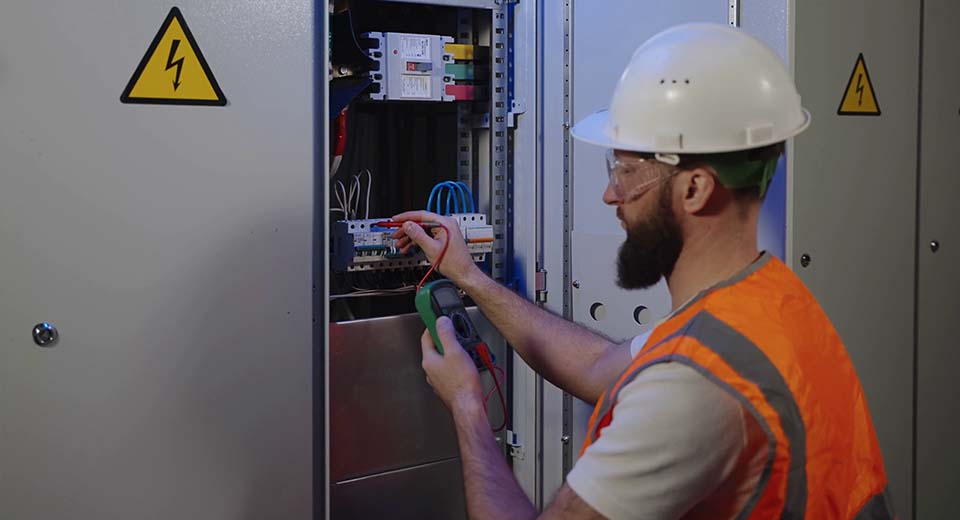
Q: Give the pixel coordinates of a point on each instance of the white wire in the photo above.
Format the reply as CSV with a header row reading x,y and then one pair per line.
x,y
374,292
355,190
341,198
350,194
369,187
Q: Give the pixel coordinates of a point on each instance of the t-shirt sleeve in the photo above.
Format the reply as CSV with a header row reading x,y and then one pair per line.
x,y
675,436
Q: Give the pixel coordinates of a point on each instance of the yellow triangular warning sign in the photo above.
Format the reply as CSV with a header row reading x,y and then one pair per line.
x,y
859,99
173,71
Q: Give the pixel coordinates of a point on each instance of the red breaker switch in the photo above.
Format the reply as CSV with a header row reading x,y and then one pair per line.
x,y
415,66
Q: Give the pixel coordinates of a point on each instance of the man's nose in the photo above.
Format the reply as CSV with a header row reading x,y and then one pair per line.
x,y
610,196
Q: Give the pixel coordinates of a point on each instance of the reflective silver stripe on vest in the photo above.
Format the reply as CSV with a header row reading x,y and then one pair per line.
x,y
753,365
772,441
744,357
879,507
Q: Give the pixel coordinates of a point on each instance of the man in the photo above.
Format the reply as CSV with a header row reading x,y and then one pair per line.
x,y
742,402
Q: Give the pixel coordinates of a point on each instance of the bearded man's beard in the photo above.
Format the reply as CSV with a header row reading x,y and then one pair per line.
x,y
651,248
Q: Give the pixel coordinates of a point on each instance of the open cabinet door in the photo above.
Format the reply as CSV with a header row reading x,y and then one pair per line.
x,y
591,44
170,247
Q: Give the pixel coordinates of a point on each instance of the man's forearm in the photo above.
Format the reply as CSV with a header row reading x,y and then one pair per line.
x,y
561,351
490,487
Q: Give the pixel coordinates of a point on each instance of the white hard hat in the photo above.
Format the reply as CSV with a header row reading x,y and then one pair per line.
x,y
699,88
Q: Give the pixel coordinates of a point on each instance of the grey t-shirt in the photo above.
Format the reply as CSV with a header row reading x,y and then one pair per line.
x,y
679,446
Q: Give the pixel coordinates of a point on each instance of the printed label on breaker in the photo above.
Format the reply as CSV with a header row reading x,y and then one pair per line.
x,y
415,86
416,47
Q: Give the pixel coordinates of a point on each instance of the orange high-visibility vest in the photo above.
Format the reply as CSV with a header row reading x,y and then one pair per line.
x,y
763,338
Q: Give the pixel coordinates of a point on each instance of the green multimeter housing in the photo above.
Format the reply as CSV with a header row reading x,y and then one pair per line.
x,y
442,298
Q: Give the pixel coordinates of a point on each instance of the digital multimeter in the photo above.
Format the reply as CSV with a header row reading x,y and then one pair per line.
x,y
442,298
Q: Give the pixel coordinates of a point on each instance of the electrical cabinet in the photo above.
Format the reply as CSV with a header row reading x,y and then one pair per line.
x,y
205,314
854,204
421,116
938,282
170,247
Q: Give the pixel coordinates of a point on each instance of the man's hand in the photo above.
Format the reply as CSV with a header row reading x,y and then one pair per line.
x,y
452,375
457,264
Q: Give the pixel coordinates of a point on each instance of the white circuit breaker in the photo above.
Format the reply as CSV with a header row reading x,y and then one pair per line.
x,y
411,67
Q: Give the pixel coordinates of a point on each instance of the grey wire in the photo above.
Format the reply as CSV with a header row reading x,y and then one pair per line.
x,y
374,292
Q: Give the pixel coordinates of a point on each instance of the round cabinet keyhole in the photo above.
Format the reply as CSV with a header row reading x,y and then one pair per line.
x,y
642,315
598,311
45,334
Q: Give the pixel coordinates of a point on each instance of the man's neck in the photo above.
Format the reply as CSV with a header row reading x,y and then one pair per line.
x,y
708,259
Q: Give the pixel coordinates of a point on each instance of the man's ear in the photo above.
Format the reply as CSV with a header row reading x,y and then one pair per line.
x,y
698,187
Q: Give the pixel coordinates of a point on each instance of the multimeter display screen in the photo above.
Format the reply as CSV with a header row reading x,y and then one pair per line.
x,y
447,299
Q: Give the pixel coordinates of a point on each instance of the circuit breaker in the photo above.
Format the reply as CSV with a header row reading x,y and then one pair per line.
x,y
410,67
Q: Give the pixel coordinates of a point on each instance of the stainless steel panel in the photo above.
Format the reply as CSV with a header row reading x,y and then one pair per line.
x,y
938,328
854,192
552,226
527,250
383,414
597,66
767,20
480,4
171,247
594,286
605,35
428,492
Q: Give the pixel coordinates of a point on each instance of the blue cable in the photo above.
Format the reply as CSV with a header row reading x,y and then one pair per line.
x,y
469,195
435,192
458,192
462,206
462,195
451,196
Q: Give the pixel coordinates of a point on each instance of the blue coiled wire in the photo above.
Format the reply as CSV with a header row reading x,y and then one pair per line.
x,y
457,192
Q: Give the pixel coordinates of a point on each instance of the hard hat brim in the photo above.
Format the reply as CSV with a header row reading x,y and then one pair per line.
x,y
593,130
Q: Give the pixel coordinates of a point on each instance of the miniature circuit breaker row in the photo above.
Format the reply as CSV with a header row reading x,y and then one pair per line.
x,y
362,245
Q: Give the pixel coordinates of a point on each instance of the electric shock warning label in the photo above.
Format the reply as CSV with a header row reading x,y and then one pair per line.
x,y
859,98
415,86
173,70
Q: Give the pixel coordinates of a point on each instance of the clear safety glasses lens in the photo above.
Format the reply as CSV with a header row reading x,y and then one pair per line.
x,y
631,176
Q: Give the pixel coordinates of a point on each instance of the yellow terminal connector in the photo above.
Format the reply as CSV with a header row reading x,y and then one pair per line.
x,y
461,51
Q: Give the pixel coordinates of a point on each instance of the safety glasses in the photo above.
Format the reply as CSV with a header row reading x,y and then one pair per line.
x,y
632,175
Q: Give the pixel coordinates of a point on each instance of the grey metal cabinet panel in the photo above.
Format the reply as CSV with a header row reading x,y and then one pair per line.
x,y
388,430
171,246
427,492
605,35
383,414
854,189
938,328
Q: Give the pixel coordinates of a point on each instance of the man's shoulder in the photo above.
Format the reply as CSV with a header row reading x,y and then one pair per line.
x,y
673,429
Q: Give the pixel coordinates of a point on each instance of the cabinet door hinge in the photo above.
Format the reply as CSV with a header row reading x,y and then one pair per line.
x,y
513,443
541,286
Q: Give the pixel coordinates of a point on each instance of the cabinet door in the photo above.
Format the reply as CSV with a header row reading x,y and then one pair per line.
x,y
170,246
938,257
854,202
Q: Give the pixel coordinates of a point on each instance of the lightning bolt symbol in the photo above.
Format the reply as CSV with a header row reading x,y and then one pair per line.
x,y
178,63
859,87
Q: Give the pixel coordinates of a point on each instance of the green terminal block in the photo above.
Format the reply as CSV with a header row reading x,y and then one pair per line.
x,y
460,71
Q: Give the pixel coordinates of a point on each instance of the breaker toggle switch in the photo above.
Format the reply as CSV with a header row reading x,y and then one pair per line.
x,y
414,66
